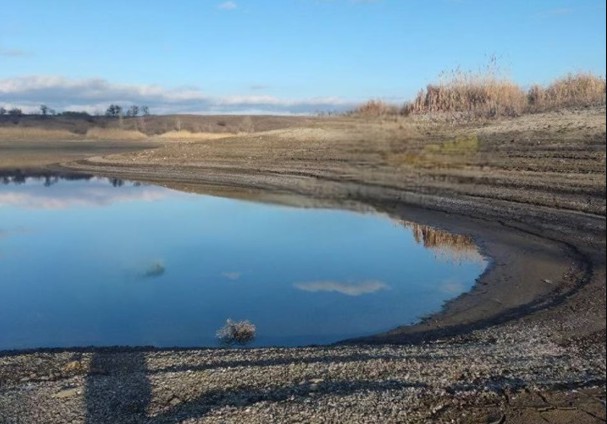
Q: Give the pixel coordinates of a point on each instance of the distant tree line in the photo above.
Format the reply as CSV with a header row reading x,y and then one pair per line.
x,y
116,111
11,112
113,111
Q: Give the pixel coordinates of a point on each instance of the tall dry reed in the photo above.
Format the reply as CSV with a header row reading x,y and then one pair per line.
x,y
467,94
488,93
582,89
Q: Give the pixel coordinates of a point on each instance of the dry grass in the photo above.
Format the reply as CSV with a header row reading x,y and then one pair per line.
x,y
573,90
469,95
462,96
184,135
114,134
461,145
25,133
376,108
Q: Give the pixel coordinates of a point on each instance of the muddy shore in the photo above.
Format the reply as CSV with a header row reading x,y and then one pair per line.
x,y
527,344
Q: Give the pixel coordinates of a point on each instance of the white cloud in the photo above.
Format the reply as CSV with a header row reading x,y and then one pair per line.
x,y
347,288
227,5
95,94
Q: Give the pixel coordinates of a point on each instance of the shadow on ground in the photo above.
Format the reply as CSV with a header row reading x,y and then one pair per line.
x,y
118,389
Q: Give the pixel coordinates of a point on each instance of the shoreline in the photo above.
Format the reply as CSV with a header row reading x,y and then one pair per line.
x,y
458,316
508,260
536,355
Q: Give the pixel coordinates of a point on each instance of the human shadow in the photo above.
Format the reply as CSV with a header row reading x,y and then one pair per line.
x,y
117,387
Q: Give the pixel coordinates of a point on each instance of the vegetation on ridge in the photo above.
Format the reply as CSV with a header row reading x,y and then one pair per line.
x,y
466,95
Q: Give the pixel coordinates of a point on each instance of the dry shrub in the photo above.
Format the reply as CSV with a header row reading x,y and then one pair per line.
x,y
236,332
114,134
376,108
573,90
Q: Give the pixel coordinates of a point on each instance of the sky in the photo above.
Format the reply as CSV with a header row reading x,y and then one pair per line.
x,y
279,56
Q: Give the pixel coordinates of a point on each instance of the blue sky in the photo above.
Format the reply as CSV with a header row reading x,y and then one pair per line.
x,y
290,56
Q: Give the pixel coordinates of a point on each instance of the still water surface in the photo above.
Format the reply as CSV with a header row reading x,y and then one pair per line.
x,y
105,262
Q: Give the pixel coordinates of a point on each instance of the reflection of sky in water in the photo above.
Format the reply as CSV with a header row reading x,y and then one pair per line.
x,y
84,262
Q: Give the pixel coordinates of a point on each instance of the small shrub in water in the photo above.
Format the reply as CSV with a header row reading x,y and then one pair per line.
x,y
236,332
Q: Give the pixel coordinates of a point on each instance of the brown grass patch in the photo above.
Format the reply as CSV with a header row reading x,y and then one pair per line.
x,y
193,136
25,133
376,108
114,134
461,145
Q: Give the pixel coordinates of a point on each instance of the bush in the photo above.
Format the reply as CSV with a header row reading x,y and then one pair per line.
x,y
376,108
236,332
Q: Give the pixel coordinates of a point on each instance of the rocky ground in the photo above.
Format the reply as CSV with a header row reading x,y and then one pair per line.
x,y
526,345
514,375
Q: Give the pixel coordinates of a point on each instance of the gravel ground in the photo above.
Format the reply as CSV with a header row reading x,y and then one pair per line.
x,y
513,374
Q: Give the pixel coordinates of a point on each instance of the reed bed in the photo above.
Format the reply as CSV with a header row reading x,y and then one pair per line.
x,y
467,96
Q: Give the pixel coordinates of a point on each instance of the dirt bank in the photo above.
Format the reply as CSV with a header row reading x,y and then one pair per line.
x,y
526,345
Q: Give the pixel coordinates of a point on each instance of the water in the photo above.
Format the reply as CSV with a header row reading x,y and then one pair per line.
x,y
106,262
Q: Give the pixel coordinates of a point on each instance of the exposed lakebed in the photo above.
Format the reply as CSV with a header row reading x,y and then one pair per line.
x,y
94,261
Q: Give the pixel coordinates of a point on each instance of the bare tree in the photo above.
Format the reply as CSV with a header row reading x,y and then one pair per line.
x,y
2,111
114,111
133,111
145,111
44,109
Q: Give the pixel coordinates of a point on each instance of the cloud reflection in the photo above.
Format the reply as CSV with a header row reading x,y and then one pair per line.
x,y
347,288
231,275
79,197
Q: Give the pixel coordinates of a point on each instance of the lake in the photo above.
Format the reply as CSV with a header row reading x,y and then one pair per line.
x,y
93,261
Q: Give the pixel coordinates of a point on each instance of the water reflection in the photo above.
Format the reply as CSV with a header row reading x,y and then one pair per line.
x,y
42,191
47,178
347,288
446,246
155,270
119,263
